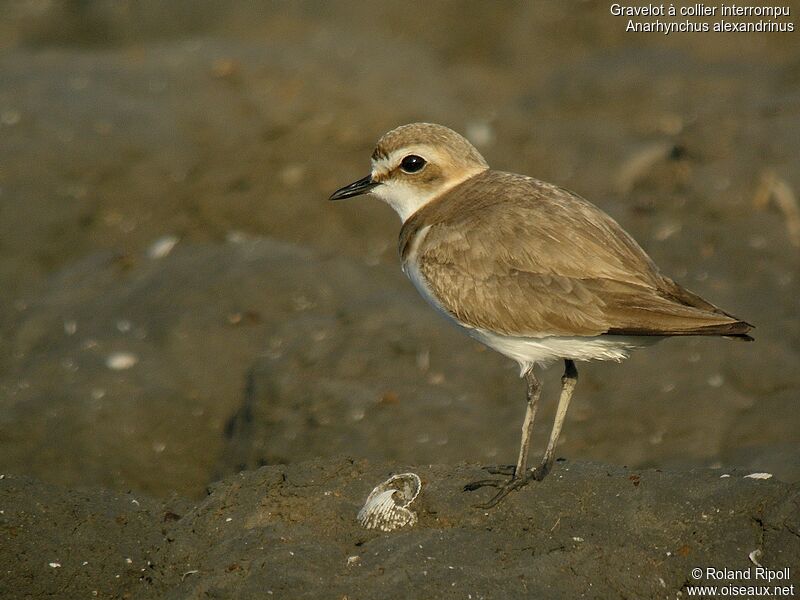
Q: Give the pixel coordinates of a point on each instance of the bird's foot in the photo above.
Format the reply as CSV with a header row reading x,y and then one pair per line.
x,y
505,487
509,470
501,469
540,472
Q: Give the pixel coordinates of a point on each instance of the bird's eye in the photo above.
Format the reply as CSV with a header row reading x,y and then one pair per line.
x,y
412,163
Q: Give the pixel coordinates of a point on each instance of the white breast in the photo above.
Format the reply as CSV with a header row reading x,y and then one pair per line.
x,y
411,269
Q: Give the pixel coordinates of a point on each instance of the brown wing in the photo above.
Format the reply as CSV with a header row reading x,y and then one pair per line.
x,y
521,257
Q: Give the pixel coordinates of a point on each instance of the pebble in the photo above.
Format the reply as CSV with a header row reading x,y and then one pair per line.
x,y
119,361
162,246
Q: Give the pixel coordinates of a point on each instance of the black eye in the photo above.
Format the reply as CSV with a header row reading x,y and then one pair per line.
x,y
412,163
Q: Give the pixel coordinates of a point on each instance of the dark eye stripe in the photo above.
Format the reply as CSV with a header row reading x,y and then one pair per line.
x,y
412,163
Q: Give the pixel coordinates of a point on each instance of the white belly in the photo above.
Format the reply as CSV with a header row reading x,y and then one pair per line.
x,y
529,351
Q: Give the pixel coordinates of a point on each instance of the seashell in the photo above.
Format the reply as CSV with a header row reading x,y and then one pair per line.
x,y
119,361
162,246
387,505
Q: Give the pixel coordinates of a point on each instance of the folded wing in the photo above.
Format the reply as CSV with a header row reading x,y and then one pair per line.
x,y
524,258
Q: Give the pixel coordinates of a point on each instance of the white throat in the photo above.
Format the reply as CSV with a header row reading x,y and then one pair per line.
x,y
404,199
407,199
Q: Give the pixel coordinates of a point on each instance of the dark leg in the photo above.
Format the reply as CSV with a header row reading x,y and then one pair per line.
x,y
520,476
568,382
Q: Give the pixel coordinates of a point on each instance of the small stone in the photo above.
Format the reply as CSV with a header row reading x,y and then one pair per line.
x,y
292,175
353,560
162,246
120,361
480,133
10,117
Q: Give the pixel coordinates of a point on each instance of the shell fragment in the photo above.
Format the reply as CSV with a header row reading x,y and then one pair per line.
x,y
387,505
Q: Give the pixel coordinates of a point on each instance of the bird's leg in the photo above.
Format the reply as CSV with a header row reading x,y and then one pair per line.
x,y
568,382
533,393
520,475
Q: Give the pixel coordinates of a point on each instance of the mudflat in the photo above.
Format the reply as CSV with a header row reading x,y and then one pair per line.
x,y
179,303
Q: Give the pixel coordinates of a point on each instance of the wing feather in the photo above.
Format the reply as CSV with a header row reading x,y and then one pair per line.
x,y
521,257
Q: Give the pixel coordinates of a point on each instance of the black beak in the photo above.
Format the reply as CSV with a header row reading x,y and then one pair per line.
x,y
362,186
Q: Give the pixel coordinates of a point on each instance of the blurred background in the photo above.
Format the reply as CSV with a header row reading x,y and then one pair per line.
x,y
178,301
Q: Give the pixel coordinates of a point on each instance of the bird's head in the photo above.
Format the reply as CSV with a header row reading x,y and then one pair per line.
x,y
413,164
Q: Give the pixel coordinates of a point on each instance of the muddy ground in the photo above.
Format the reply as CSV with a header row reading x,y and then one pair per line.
x,y
179,303
590,531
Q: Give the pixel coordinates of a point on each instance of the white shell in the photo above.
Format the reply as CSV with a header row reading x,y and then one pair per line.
x,y
119,361
758,476
162,246
387,505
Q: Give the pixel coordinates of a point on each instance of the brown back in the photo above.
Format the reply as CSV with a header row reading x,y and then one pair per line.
x,y
517,256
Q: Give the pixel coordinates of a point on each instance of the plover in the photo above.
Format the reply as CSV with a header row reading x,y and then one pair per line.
x,y
529,269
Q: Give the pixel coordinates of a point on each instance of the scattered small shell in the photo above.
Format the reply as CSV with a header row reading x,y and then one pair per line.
x,y
641,162
10,117
754,557
480,133
666,230
236,237
758,476
54,565
119,361
162,246
781,193
387,505
292,175
424,360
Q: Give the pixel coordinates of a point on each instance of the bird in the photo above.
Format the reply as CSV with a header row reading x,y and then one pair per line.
x,y
527,268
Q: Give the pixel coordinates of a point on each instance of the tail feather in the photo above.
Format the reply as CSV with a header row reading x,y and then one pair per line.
x,y
730,327
735,330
